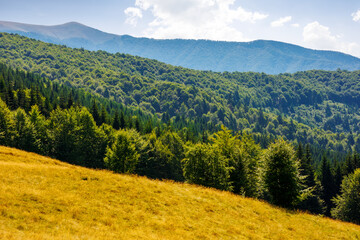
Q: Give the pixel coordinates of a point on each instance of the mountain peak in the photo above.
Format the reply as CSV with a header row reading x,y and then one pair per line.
x,y
72,24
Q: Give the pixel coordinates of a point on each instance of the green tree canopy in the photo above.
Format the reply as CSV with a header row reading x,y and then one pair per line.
x,y
282,177
205,165
347,204
122,156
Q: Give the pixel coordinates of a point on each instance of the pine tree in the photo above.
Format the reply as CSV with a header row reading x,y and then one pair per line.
x,y
2,84
349,164
116,121
70,102
122,123
137,124
311,189
22,100
148,127
95,113
103,115
328,184
10,98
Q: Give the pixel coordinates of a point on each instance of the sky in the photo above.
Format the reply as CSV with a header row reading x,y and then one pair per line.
x,y
316,24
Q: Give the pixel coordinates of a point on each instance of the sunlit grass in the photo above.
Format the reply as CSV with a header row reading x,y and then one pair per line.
x,y
41,198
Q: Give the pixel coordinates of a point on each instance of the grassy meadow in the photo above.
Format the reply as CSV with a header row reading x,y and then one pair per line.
x,y
42,198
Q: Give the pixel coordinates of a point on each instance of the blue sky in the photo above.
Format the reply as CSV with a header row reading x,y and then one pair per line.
x,y
318,24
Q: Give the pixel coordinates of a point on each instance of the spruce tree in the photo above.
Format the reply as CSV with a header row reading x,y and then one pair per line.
x,y
282,175
95,113
328,184
103,115
122,123
116,121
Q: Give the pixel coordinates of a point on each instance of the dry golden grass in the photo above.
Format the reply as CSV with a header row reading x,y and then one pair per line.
x,y
42,198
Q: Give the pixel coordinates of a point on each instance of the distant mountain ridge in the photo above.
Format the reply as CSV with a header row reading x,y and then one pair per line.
x,y
271,57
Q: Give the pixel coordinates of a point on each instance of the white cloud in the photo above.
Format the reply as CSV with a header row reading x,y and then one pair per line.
x,y
133,14
318,36
197,19
281,21
356,16
296,25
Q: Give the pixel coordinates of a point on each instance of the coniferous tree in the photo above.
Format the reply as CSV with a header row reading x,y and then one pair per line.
x,y
63,124
349,164
122,123
90,140
10,98
2,84
70,102
347,204
311,189
205,165
122,156
6,125
22,99
116,121
148,127
95,113
103,115
282,175
356,160
328,184
42,142
25,136
137,124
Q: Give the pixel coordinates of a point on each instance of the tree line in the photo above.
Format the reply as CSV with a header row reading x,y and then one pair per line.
x,y
53,118
279,174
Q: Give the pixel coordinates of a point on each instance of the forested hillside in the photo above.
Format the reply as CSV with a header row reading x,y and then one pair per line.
x,y
323,106
134,115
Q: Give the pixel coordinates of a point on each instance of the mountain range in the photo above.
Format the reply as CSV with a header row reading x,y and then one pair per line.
x,y
270,57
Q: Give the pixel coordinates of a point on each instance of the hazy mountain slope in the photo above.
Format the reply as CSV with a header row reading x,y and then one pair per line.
x,y
258,56
47,199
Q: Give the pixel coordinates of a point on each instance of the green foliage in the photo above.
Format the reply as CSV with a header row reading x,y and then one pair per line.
x,y
205,165
327,181
40,129
76,139
347,204
243,158
122,156
6,124
73,102
25,136
158,159
282,177
311,193
310,102
250,154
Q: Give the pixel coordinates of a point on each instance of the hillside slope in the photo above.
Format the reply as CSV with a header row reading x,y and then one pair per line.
x,y
259,56
314,99
47,199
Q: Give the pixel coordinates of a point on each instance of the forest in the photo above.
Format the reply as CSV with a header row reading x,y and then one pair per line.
x,y
290,139
316,107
